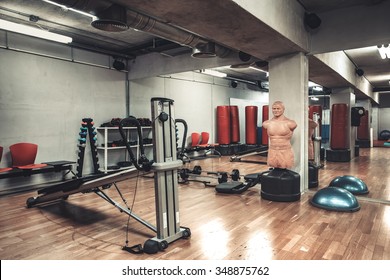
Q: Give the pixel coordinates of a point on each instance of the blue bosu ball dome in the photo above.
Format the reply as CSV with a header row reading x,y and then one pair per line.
x,y
335,199
350,183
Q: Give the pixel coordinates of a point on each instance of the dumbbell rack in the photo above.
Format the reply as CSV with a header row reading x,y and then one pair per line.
x,y
87,130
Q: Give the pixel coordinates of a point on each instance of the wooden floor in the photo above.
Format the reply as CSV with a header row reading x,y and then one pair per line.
x,y
223,226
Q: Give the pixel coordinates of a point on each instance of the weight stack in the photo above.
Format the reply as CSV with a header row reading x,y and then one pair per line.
x,y
281,185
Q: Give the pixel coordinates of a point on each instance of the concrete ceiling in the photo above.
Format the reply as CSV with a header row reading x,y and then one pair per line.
x,y
172,28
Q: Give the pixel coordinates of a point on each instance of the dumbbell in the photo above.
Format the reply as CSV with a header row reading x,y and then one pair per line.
x,y
197,170
222,176
235,175
185,172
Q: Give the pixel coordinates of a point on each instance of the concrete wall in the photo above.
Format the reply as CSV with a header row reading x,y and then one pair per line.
x,y
43,99
196,98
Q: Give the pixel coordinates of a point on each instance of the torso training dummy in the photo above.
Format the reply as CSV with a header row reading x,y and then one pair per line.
x,y
280,130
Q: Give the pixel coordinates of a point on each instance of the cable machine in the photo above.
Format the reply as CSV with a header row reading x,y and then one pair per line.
x,y
164,165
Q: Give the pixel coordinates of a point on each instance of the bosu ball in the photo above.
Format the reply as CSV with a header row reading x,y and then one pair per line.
x,y
335,199
350,183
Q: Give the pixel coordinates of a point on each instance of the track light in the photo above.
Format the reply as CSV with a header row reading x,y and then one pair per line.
x,y
34,32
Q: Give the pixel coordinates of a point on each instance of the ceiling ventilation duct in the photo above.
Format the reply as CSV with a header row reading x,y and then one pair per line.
x,y
206,50
135,20
113,19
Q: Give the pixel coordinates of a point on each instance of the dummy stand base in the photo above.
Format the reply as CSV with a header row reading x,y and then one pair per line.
x,y
281,185
313,175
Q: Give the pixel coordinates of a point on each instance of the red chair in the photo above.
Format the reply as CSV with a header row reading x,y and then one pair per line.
x,y
23,156
5,168
204,142
195,138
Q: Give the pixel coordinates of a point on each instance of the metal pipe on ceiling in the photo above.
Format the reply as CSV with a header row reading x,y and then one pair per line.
x,y
147,24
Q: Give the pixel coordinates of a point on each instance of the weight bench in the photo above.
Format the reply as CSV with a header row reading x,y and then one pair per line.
x,y
53,166
237,187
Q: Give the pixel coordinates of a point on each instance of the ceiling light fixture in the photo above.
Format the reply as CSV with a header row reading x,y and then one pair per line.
x,y
384,51
35,32
65,8
317,88
258,69
213,73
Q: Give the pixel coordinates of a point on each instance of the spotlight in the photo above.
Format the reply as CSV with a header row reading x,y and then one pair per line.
x,y
312,20
261,63
360,72
244,56
118,65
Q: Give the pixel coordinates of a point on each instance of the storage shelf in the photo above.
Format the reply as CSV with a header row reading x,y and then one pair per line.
x,y
104,139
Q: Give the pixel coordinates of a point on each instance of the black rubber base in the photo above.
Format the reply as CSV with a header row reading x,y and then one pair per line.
x,y
363,143
313,176
280,185
338,155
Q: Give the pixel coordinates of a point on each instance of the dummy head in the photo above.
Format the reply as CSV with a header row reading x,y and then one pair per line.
x,y
277,108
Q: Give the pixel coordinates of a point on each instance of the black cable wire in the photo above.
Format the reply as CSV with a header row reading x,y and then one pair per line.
x,y
129,208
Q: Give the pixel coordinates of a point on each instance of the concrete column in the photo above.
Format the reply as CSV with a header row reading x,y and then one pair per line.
x,y
288,82
346,96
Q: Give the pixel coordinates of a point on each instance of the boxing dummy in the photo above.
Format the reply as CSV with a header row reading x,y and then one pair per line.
x,y
280,130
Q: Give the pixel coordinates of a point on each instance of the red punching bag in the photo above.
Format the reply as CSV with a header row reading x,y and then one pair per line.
x,y
363,128
235,124
223,125
316,109
251,125
264,134
338,127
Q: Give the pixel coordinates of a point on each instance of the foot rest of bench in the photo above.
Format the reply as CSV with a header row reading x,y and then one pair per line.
x,y
231,187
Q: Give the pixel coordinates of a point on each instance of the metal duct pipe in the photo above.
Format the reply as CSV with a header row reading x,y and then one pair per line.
x,y
147,24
